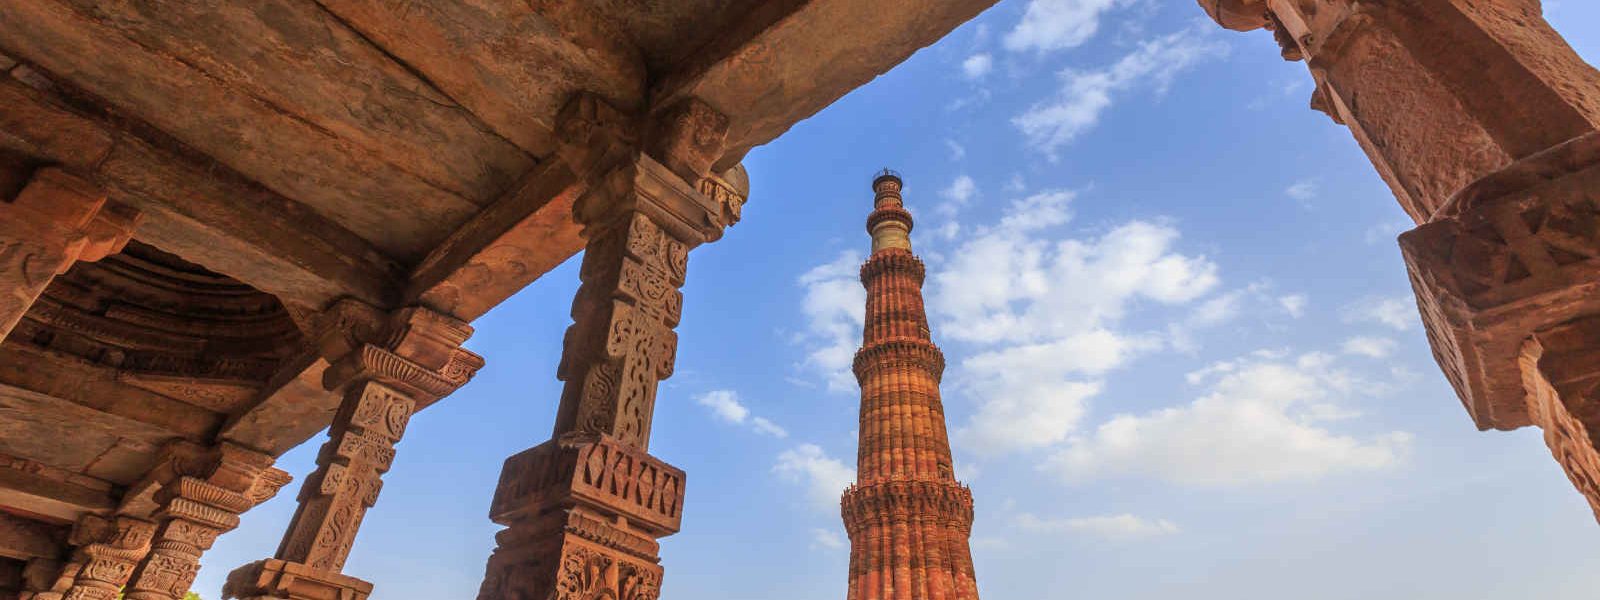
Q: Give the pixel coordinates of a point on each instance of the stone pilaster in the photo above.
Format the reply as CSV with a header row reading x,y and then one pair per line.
x,y
202,493
1484,123
583,510
108,551
55,221
391,367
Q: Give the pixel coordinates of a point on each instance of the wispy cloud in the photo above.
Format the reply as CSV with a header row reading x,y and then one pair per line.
x,y
1263,418
725,406
823,476
1123,527
1395,312
1086,94
834,305
1050,25
977,66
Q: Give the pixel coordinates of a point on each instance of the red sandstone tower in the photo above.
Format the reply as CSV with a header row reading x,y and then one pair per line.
x,y
908,518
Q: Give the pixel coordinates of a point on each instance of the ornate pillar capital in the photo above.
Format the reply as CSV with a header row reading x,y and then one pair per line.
x,y
55,221
108,551
202,493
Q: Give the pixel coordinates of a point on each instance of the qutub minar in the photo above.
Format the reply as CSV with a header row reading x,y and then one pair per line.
x,y
908,518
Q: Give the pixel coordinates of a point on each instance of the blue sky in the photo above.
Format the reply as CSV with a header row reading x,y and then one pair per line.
x,y
1183,353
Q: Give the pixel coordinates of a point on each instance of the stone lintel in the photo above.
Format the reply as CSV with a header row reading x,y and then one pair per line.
x,y
57,497
23,539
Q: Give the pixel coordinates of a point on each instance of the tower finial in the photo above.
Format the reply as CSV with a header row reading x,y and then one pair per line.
x,y
889,224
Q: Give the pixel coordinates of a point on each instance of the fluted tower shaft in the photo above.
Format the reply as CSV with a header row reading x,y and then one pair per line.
x,y
908,518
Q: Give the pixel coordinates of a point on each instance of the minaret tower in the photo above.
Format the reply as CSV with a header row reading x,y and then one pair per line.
x,y
908,518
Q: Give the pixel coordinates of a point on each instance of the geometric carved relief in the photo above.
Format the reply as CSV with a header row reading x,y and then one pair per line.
x,y
594,471
1513,253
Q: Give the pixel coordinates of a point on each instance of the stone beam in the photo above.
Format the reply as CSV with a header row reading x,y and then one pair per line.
x,y
513,64
36,489
23,539
191,205
786,60
506,247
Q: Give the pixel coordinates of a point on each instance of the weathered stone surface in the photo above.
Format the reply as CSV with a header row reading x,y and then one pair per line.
x,y
276,163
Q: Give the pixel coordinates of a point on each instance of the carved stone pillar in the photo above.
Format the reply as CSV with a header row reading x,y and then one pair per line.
x,y
393,368
58,219
1484,123
1561,369
583,510
1438,93
108,550
202,493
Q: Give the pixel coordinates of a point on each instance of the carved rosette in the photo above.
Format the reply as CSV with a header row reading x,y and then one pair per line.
x,y
202,494
386,368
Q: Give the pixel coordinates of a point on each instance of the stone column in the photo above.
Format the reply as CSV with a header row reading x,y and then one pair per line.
x,y
583,510
391,369
108,550
202,493
1484,123
55,221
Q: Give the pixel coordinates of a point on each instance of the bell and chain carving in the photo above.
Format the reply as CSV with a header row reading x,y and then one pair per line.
x,y
583,510
55,221
202,493
386,369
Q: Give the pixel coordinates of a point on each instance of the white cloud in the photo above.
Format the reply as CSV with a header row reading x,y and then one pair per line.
x,y
1263,419
726,407
724,404
762,425
977,65
1121,527
1369,346
1396,312
824,477
1084,95
828,539
1048,25
835,308
1302,191
1043,314
960,192
1294,304
957,151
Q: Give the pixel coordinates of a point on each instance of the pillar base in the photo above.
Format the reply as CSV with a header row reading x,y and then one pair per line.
x,y
572,554
274,579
